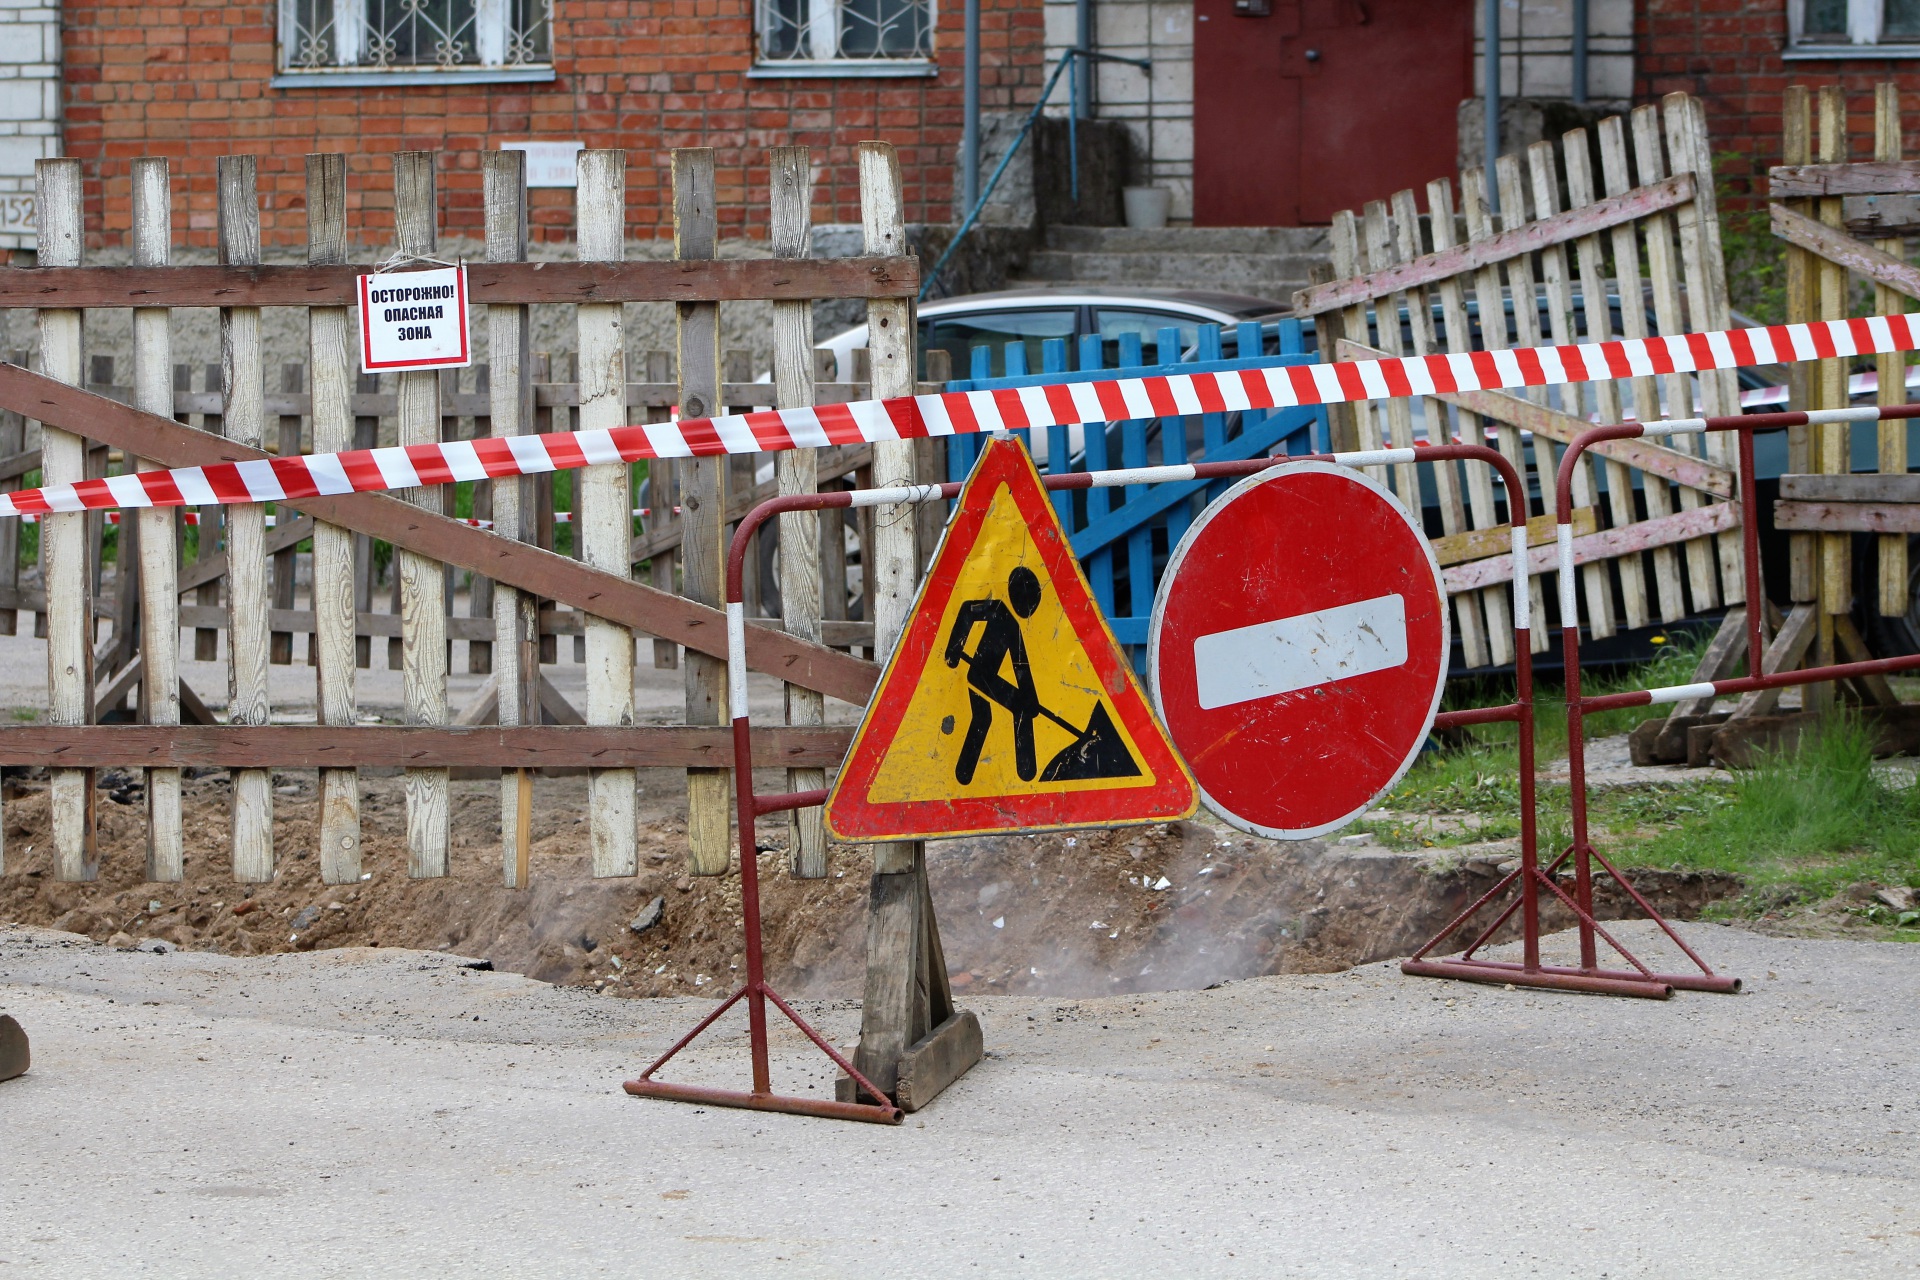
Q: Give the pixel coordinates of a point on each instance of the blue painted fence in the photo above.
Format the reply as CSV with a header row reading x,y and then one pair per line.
x,y
1124,536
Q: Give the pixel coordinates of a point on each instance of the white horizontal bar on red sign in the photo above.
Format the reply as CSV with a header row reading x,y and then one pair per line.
x,y
1047,404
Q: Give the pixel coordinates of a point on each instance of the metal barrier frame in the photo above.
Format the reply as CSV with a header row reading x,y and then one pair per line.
x,y
750,806
1642,981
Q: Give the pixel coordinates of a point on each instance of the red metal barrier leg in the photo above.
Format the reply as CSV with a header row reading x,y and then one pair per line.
x,y
756,990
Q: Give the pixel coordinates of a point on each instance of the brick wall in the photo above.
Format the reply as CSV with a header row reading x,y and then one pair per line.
x,y
191,82
1729,53
29,110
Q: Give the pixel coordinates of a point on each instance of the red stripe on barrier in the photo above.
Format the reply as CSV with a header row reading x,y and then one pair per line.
x,y
361,472
906,419
226,484
1206,390
296,479
1013,414
162,490
1112,403
429,463
769,432
1160,396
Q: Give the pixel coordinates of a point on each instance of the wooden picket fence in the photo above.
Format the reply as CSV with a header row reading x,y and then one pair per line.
x,y
246,577
1658,538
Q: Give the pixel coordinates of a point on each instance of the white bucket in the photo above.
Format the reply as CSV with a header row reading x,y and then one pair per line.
x,y
1147,207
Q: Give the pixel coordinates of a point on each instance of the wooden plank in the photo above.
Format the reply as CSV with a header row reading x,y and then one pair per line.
x,y
1846,517
1685,469
397,746
1704,264
515,613
386,517
1614,165
1857,487
63,537
604,501
1784,652
1891,366
487,282
243,383
893,1003
1832,441
1615,210
893,564
1470,621
945,1054
421,579
1745,743
696,232
1725,652
1603,545
790,234
159,553
1797,148
330,350
1477,544
1378,247
1362,418
1663,273
1786,181
1837,247
1492,603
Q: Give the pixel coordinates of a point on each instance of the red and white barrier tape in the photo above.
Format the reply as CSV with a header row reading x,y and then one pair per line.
x,y
193,517
1054,404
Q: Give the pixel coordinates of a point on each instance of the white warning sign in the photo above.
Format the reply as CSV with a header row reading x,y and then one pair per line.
x,y
414,320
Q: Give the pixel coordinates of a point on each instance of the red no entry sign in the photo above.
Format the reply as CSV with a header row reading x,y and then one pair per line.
x,y
1298,648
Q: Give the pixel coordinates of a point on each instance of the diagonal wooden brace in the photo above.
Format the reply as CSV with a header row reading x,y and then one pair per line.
x,y
517,564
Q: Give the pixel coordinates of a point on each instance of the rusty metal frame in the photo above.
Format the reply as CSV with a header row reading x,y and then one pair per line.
x,y
755,990
1640,980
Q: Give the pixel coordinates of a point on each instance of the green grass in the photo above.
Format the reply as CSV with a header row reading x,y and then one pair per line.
x,y
1805,825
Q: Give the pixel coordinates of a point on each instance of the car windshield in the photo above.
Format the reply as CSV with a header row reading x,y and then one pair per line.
x,y
1115,321
959,335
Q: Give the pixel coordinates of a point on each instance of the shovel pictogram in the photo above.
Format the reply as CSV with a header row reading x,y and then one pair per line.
x,y
1097,751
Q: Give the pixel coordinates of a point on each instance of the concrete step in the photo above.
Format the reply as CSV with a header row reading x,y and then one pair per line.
x,y
1266,262
1257,240
1274,278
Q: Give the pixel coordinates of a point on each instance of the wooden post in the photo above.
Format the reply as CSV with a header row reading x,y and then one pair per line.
x,y
422,582
1892,367
293,376
797,471
1831,440
510,396
63,537
696,233
159,554
336,587
603,507
1796,138
243,394
907,1001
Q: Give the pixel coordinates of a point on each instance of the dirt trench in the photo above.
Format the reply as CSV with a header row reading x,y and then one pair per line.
x,y
1171,906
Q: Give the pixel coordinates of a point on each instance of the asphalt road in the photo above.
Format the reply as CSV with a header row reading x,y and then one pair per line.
x,y
388,1113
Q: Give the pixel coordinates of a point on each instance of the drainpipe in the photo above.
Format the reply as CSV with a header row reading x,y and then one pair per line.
x,y
1580,51
1490,92
1083,69
970,126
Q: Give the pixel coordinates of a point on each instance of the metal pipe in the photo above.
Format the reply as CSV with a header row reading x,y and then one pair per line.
x,y
1490,94
1580,51
970,111
1083,74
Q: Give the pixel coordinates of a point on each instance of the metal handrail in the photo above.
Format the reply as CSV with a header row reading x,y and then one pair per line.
x,y
1073,148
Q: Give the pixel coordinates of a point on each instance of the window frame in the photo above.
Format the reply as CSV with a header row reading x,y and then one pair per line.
x,y
1865,19
809,68
489,16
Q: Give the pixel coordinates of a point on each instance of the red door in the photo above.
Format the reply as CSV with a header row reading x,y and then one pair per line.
x,y
1318,105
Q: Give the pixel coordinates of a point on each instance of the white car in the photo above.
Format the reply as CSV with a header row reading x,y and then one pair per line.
x,y
1032,317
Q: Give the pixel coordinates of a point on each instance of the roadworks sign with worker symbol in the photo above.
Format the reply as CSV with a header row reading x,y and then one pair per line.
x,y
1007,704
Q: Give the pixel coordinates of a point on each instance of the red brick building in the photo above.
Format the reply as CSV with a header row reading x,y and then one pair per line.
x,y
196,80
1738,56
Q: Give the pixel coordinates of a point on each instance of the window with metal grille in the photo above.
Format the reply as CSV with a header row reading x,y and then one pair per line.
x,y
451,36
835,36
1853,28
